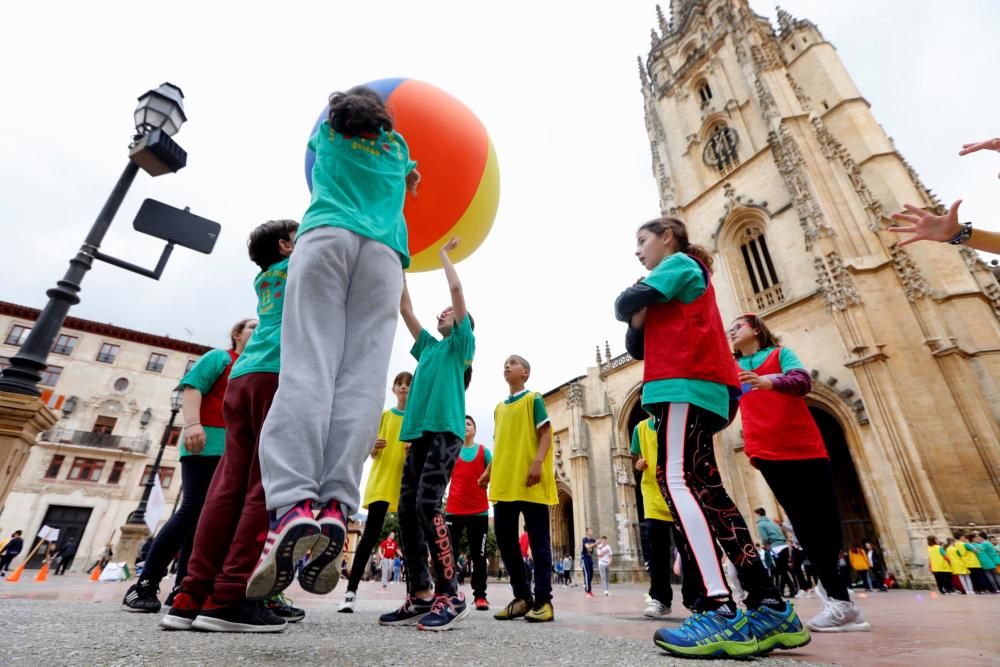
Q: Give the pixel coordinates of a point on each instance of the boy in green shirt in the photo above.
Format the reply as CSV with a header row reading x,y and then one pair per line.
x,y
434,425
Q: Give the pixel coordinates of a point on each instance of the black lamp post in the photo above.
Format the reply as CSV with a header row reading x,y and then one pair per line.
x,y
138,517
159,114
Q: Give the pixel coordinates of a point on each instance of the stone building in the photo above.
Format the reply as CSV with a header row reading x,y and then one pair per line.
x,y
763,144
110,387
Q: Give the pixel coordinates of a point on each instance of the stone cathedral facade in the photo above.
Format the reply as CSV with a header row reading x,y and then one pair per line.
x,y
764,146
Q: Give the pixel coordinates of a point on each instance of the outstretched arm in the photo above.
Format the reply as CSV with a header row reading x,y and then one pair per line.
x,y
406,310
454,284
925,226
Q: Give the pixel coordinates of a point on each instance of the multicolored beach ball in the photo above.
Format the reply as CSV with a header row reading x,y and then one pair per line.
x,y
460,179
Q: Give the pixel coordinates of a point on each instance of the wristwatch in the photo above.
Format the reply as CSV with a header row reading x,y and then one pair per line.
x,y
964,235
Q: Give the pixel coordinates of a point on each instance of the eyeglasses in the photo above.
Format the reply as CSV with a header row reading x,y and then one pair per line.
x,y
736,327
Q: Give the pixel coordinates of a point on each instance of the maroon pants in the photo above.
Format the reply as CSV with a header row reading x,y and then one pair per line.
x,y
233,524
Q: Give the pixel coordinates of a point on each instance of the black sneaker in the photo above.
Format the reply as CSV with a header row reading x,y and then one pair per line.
x,y
142,597
411,612
446,612
282,607
249,616
169,602
182,613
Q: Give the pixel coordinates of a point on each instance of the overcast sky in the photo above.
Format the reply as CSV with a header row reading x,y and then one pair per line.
x,y
555,83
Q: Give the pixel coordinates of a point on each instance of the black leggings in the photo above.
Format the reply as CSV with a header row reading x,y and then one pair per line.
x,y
373,531
944,584
704,514
475,527
805,490
177,535
422,527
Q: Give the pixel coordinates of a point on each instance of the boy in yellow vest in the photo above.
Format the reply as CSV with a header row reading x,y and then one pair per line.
x,y
522,482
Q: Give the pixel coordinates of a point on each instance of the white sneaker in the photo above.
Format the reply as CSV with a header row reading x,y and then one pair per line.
x,y
656,609
347,606
839,616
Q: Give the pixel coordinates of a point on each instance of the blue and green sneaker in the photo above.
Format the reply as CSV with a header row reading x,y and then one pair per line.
x,y
777,629
709,635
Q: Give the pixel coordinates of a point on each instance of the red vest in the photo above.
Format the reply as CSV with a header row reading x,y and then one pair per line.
x,y
211,403
465,495
777,426
688,340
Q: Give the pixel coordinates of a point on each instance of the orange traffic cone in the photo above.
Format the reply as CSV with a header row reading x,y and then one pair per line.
x,y
16,575
95,574
43,574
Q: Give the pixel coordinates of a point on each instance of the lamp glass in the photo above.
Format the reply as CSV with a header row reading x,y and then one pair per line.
x,y
176,398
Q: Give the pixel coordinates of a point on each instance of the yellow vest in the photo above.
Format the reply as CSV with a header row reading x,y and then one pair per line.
x,y
969,555
955,558
859,560
515,444
653,504
937,560
386,474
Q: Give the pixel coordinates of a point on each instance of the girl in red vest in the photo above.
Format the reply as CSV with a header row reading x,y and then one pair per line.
x,y
783,442
690,385
202,442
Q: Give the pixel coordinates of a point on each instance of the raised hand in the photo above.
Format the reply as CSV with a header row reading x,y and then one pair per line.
x,y
989,144
450,245
925,226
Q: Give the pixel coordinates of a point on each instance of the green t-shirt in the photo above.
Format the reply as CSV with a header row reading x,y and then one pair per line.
x,y
359,184
680,277
789,360
538,409
263,351
636,448
203,376
468,453
437,396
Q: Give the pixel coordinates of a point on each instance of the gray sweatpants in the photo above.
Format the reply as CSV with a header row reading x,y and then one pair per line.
x,y
340,314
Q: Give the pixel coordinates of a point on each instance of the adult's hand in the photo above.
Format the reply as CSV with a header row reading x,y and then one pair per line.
x,y
988,145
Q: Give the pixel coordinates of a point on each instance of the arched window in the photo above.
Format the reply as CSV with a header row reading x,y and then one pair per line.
x,y
704,92
764,284
720,151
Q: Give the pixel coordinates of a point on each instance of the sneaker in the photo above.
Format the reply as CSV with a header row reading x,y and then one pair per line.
x,y
656,609
777,629
347,606
540,613
709,635
801,593
290,536
482,604
446,612
516,608
282,607
839,616
248,616
411,612
169,602
142,597
321,573
182,613
589,594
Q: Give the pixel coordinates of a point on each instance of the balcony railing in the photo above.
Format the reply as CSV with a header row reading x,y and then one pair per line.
x,y
138,444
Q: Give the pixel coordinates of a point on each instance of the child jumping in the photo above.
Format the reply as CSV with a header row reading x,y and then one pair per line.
x,y
343,289
382,490
690,385
782,441
234,521
522,482
434,426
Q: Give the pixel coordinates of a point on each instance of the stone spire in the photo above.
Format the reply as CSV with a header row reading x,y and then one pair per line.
x,y
598,348
662,20
643,76
786,22
654,39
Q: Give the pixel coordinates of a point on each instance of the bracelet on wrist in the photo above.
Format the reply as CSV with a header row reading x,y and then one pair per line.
x,y
964,234
187,426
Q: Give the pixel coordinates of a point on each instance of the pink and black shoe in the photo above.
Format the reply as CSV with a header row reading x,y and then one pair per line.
x,y
322,572
290,537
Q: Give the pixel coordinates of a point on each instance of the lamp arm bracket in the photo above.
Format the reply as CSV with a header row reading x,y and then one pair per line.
x,y
128,266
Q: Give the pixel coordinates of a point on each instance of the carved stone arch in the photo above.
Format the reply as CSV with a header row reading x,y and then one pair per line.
x,y
711,122
741,240
633,398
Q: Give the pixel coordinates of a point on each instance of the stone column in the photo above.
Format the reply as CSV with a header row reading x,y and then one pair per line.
x,y
22,418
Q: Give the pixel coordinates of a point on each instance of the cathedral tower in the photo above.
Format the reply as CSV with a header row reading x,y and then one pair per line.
x,y
763,144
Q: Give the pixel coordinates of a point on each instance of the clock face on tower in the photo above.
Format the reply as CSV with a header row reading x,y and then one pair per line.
x,y
720,151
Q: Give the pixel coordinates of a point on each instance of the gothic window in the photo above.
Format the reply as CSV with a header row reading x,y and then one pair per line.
x,y
720,151
704,93
765,287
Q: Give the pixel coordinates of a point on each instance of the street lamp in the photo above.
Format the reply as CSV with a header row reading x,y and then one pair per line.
x,y
159,114
138,517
